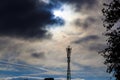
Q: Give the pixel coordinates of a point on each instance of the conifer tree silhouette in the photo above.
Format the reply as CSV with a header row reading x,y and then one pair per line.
x,y
111,13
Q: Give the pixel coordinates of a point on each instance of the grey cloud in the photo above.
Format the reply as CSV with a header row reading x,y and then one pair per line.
x,y
3,43
77,22
38,55
86,39
97,47
9,42
86,24
10,49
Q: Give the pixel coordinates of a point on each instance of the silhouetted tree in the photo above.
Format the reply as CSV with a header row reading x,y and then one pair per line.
x,y
111,12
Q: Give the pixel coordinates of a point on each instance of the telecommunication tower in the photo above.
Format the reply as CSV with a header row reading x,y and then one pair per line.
x,y
68,49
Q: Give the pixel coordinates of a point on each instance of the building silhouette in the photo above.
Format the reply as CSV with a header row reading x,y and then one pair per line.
x,y
49,79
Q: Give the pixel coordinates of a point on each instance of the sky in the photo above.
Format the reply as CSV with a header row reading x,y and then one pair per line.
x,y
34,35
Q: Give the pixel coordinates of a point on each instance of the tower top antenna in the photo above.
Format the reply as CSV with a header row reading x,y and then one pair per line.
x,y
68,49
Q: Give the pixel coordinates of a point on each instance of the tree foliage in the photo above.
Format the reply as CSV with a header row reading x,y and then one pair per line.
x,y
111,13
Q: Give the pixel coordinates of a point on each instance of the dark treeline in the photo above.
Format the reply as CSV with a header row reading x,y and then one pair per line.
x,y
111,13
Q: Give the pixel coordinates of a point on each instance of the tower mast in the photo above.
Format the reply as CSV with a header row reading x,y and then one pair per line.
x,y
68,49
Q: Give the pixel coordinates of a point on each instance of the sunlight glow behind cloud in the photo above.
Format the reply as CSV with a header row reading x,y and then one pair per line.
x,y
66,12
45,1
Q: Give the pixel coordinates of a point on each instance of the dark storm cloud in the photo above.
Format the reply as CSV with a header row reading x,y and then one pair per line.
x,y
26,18
80,3
38,55
86,24
86,39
